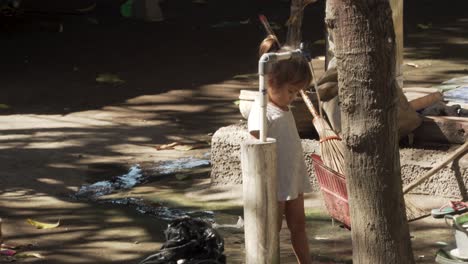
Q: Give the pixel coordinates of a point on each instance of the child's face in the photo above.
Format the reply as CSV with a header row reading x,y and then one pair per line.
x,y
284,95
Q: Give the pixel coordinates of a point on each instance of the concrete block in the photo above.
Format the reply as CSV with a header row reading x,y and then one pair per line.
x,y
450,182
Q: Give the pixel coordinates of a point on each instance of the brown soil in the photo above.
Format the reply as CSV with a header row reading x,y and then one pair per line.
x,y
61,129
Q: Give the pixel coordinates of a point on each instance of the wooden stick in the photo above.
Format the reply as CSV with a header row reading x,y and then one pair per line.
x,y
268,29
437,168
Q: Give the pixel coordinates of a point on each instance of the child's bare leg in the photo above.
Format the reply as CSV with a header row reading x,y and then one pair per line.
x,y
295,217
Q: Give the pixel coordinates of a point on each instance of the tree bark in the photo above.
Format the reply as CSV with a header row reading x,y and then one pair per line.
x,y
293,38
365,50
397,14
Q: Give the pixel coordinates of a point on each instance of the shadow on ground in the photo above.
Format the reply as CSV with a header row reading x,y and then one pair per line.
x,y
60,128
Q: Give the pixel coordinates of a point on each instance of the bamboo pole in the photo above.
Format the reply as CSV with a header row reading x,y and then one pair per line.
x,y
259,176
461,150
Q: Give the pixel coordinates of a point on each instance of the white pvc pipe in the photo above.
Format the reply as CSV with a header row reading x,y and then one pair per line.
x,y
263,107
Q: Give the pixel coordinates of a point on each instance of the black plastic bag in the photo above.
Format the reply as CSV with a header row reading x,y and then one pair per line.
x,y
189,241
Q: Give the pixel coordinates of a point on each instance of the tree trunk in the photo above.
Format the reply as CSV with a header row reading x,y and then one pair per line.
x,y
397,14
293,38
365,50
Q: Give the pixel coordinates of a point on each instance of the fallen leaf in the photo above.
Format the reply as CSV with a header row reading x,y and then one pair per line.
x,y
181,146
41,225
424,26
184,147
109,78
412,64
237,102
190,147
321,238
166,146
29,255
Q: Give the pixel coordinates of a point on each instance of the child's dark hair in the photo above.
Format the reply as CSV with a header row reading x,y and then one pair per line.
x,y
294,71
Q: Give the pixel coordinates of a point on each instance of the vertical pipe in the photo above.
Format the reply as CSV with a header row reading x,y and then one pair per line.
x,y
263,106
265,59
262,88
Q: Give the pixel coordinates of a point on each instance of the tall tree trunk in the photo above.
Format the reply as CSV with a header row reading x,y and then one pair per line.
x,y
293,38
365,50
397,11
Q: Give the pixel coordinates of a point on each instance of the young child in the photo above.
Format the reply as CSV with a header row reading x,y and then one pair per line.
x,y
285,79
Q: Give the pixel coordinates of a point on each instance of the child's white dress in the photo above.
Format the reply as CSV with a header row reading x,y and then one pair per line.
x,y
292,173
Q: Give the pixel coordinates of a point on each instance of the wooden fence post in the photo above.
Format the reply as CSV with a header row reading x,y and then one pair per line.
x,y
258,160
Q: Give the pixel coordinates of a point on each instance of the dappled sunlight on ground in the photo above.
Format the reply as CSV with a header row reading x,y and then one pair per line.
x,y
61,129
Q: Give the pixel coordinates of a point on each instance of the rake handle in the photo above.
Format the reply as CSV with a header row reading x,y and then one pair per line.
x,y
266,25
437,168
309,104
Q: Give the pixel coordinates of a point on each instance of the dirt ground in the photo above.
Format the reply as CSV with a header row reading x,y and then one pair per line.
x,y
60,128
